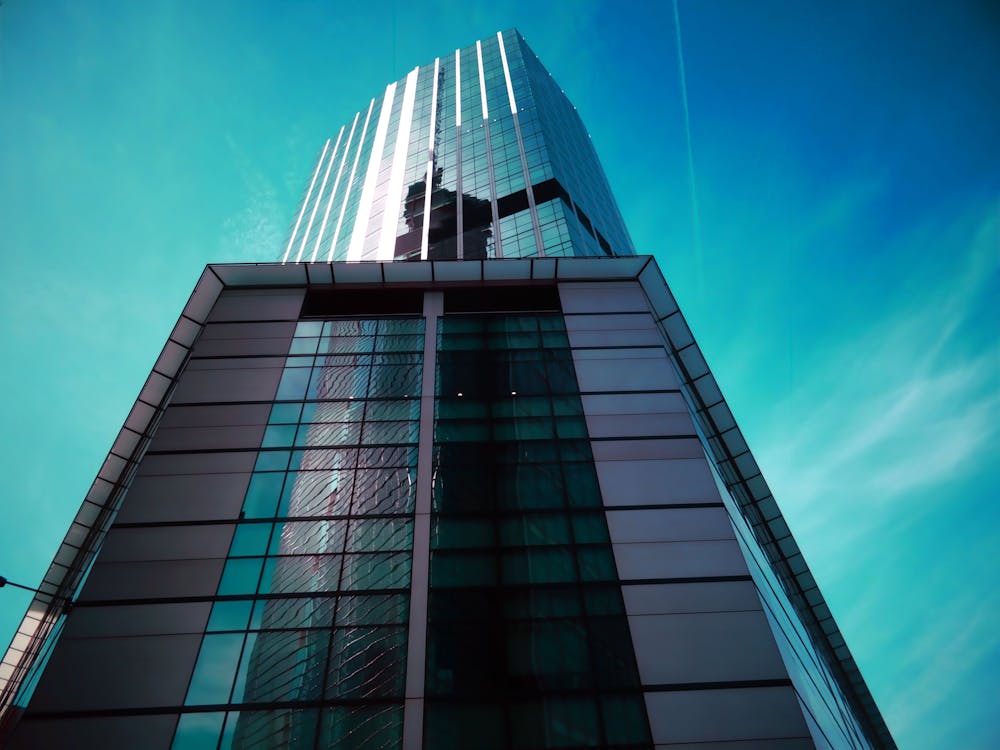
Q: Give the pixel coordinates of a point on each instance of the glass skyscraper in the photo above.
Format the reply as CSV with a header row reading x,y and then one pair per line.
x,y
485,145
452,473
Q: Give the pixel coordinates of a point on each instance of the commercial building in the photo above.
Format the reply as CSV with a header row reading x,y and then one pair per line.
x,y
451,474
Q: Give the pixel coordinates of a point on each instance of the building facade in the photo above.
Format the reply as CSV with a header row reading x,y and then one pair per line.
x,y
451,474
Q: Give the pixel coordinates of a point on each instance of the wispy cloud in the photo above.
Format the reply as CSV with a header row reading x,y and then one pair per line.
x,y
257,231
904,409
904,402
953,651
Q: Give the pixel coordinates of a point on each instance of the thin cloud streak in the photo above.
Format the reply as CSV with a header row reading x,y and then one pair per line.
x,y
905,381
891,422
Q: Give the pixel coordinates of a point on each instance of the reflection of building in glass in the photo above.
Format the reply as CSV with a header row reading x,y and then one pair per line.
x,y
436,503
442,237
333,640
486,123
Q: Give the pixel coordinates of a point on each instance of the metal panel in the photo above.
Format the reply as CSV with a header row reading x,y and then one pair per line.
x,y
150,732
721,715
98,673
184,497
221,386
656,482
673,649
603,296
167,543
679,598
669,525
655,560
152,580
258,304
138,619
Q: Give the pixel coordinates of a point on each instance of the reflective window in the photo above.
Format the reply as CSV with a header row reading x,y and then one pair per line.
x,y
313,601
527,642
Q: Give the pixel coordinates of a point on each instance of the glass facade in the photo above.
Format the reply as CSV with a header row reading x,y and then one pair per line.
x,y
527,643
476,155
433,504
308,627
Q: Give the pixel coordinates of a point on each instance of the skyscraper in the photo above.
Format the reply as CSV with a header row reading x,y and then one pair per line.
x,y
451,474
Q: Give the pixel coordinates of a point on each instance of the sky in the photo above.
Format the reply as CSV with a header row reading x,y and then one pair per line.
x,y
830,224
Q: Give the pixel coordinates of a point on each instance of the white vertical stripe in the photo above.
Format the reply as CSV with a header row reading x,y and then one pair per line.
x,y
350,181
482,80
434,101
371,177
319,195
305,203
458,88
336,184
506,74
425,228
394,197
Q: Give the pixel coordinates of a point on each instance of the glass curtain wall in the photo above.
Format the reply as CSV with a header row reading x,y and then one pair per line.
x,y
528,645
306,643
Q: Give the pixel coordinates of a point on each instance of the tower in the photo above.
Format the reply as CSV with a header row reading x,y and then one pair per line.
x,y
453,473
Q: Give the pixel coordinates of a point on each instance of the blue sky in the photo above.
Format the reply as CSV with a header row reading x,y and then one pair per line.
x,y
844,284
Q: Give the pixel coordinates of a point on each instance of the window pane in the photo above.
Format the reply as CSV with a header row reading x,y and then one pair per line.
x,y
301,574
380,535
213,675
361,728
262,495
285,665
538,565
198,731
556,721
625,720
285,413
590,528
462,533
310,537
534,529
294,613
367,663
293,384
463,569
548,655
451,726
376,609
272,461
250,540
230,615
240,576
289,729
596,564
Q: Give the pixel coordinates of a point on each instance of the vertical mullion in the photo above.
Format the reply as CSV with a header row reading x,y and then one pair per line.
x,y
336,185
305,202
350,181
356,246
431,158
393,198
416,641
532,207
459,195
348,529
319,196
497,244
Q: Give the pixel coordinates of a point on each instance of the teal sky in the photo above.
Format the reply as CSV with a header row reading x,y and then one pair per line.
x,y
841,270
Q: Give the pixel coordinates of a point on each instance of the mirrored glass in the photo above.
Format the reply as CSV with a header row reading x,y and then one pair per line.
x,y
215,670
